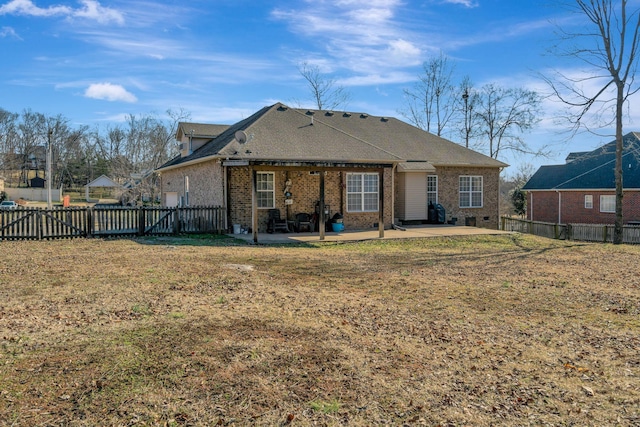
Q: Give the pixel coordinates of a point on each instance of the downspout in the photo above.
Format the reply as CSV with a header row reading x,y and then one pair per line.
x,y
559,207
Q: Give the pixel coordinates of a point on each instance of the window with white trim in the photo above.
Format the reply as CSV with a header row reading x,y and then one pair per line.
x,y
362,192
608,204
471,191
265,190
432,189
588,201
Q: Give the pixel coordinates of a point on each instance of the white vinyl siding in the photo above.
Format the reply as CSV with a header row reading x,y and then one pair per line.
x,y
471,191
265,189
362,192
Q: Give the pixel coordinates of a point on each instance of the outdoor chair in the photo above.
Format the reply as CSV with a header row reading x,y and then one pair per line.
x,y
303,221
276,223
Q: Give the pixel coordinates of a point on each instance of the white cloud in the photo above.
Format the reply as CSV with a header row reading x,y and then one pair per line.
x,y
9,32
91,9
365,37
94,11
465,3
109,92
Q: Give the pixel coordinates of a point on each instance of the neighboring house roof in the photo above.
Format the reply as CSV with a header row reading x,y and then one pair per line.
x,y
103,181
281,133
592,170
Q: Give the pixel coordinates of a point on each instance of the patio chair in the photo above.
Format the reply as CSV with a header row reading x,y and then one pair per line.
x,y
303,221
276,223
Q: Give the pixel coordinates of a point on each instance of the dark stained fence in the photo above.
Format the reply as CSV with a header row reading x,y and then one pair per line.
x,y
115,221
109,221
199,220
20,224
63,223
583,232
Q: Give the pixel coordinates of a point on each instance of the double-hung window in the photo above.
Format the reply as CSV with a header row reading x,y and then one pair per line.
x,y
265,189
432,189
362,192
471,191
608,204
588,201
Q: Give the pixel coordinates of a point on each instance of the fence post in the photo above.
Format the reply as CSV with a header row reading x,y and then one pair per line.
x,y
39,224
141,218
90,227
176,220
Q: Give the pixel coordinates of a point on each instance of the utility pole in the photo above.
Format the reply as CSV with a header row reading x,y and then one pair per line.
x,y
465,97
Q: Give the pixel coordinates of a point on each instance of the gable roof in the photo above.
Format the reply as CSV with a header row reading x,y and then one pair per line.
x,y
200,130
592,170
103,181
281,133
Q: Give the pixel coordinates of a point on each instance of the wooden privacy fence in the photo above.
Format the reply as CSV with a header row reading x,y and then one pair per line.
x,y
109,221
584,232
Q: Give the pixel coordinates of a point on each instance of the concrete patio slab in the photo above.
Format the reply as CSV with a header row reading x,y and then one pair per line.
x,y
410,232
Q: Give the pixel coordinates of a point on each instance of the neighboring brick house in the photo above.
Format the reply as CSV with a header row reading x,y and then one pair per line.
x,y
582,191
375,171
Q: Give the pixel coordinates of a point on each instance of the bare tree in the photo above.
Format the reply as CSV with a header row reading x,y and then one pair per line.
x,y
609,46
325,92
8,130
465,109
430,104
504,114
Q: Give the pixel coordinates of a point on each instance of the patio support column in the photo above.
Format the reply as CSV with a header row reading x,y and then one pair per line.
x,y
381,203
254,205
321,218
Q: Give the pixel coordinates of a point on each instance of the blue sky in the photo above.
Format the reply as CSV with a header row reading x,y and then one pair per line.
x,y
95,61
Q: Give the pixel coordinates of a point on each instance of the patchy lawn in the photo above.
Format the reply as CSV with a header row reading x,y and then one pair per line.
x,y
490,330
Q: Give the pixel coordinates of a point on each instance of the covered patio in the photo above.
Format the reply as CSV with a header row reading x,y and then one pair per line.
x,y
410,232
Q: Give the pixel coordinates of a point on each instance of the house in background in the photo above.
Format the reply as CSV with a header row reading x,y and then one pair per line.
x,y
374,171
582,191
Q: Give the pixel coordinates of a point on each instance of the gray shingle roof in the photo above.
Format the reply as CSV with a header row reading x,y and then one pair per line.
x,y
591,170
281,133
201,130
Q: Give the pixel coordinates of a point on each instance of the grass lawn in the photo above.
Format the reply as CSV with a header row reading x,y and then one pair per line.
x,y
488,330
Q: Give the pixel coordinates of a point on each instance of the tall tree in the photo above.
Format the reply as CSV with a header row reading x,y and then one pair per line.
x,y
466,107
325,92
504,115
608,43
430,104
8,131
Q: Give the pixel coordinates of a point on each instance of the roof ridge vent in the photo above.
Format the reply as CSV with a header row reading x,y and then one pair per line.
x,y
364,115
384,119
346,115
329,113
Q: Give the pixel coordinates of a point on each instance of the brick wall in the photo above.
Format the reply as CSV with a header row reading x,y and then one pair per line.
x,y
543,206
449,195
305,191
206,188
206,184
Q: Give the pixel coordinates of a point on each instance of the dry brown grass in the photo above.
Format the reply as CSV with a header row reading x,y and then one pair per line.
x,y
509,330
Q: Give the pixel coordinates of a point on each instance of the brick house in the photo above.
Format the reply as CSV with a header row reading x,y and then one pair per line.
x,y
582,191
375,171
